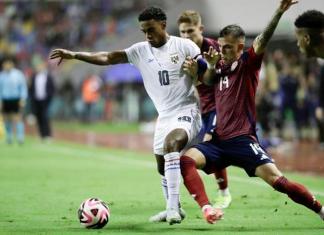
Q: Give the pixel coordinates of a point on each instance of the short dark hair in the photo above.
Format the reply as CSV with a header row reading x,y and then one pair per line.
x,y
8,58
234,30
311,19
152,13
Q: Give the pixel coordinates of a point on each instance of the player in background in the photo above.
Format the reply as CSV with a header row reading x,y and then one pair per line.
x,y
190,27
13,95
160,59
310,33
310,40
234,141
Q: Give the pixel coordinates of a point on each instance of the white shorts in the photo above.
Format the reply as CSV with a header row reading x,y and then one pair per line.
x,y
188,119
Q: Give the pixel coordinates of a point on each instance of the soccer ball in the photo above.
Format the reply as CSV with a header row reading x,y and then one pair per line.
x,y
93,213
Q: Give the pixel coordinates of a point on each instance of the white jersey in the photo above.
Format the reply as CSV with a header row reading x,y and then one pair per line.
x,y
165,82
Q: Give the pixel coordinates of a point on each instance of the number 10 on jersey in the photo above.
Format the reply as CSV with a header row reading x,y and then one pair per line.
x,y
164,78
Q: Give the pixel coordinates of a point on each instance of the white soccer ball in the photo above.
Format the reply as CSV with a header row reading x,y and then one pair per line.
x,y
93,213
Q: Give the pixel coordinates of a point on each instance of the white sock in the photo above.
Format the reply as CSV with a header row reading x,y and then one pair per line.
x,y
321,213
173,176
224,192
164,188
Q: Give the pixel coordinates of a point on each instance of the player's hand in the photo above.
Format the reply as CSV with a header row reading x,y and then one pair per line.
x,y
212,56
285,4
190,67
62,54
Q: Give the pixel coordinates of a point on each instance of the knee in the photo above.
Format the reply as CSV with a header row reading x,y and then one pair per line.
x,y
175,144
187,164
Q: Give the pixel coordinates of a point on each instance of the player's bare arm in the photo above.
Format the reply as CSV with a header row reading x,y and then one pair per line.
x,y
212,57
98,58
261,41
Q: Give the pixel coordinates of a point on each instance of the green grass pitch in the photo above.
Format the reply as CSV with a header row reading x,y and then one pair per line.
x,y
42,186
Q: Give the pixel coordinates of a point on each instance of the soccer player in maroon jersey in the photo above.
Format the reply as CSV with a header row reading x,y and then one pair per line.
x,y
190,27
234,141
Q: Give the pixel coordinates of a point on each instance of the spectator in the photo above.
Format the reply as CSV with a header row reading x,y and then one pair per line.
x,y
90,96
41,93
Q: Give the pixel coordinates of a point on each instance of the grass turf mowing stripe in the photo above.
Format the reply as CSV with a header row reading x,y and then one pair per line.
x,y
149,164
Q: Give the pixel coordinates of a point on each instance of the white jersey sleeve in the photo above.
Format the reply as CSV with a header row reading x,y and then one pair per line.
x,y
191,48
133,53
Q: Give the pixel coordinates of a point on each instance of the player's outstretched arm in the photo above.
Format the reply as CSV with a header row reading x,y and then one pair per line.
x,y
98,58
261,41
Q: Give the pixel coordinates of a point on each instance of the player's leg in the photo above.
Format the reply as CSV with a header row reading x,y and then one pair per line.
x,y
161,216
20,126
223,198
8,123
257,162
295,191
190,162
174,142
183,128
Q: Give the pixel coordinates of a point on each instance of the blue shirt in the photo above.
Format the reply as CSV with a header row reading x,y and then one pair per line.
x,y
13,85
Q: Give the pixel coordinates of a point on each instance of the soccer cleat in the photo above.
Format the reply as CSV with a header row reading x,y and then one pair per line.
x,y
223,201
212,214
321,213
161,216
173,216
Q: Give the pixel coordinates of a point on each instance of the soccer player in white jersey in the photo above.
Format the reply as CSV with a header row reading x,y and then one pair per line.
x,y
160,60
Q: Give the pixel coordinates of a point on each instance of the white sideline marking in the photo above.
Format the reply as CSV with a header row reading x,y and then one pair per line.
x,y
148,164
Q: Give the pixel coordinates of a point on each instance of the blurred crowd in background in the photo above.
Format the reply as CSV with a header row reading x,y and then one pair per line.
x,y
287,94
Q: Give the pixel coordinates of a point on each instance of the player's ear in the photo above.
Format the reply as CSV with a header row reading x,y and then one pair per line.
x,y
201,28
163,24
240,46
307,39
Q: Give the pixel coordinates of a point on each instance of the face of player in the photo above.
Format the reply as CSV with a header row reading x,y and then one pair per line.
x,y
231,48
7,65
154,32
303,42
191,31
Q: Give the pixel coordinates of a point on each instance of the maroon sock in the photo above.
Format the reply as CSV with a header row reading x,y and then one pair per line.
x,y
221,177
192,180
298,193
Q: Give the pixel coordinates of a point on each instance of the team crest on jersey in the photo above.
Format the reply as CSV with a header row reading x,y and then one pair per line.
x,y
174,58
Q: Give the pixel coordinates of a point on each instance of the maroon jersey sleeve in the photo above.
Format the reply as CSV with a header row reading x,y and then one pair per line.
x,y
207,93
253,60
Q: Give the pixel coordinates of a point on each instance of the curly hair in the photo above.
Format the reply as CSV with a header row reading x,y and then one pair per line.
x,y
152,13
311,19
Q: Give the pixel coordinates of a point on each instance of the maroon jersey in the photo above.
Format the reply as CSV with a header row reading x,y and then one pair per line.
x,y
206,93
235,96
